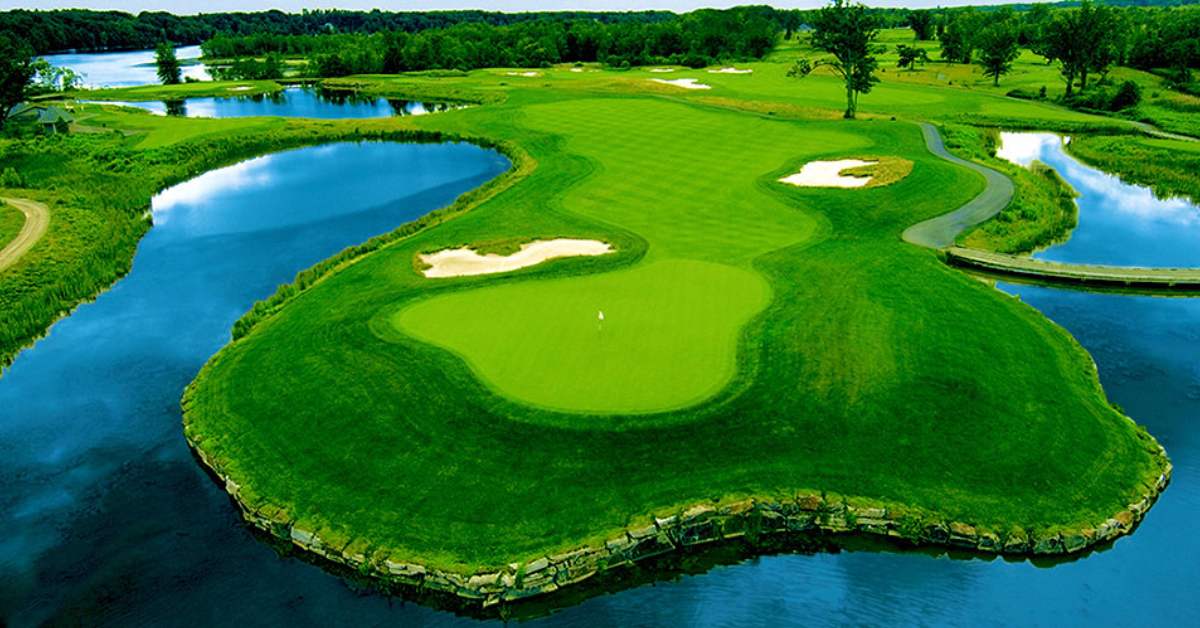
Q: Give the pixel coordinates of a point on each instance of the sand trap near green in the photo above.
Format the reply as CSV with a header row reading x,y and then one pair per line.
x,y
668,337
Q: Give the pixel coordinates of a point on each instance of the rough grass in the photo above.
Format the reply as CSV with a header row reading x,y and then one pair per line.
x,y
873,370
11,220
886,171
1169,167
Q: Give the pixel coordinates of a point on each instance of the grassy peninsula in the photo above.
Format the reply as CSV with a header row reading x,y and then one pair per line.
x,y
828,354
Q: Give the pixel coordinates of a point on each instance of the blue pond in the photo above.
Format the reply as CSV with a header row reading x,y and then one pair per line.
x,y
300,102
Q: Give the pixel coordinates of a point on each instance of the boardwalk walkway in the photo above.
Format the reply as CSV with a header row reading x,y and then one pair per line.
x,y
1119,276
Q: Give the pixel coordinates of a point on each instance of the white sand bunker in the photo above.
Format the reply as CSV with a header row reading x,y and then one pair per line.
x,y
576,69
688,83
463,262
241,88
828,174
531,73
730,71
662,70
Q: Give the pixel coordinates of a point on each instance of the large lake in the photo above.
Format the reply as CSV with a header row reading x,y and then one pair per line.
x,y
125,69
108,520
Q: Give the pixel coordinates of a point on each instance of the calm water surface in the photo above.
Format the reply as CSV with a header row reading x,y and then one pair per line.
x,y
1119,224
106,516
298,102
125,69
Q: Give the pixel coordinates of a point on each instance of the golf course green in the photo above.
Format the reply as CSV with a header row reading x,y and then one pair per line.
x,y
759,341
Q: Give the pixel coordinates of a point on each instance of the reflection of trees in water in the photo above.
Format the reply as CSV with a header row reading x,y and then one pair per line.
x,y
322,95
343,97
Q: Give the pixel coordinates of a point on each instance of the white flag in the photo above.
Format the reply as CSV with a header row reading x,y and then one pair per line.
x,y
600,315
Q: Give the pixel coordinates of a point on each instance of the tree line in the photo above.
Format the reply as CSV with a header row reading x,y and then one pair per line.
x,y
89,31
1084,40
695,39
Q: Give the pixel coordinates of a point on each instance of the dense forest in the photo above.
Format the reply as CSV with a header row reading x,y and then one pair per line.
x,y
696,39
86,30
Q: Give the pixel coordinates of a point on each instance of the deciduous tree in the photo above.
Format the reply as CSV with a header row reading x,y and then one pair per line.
x,y
16,70
997,49
846,31
168,66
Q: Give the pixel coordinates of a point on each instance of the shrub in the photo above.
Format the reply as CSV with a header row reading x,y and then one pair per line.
x,y
1025,94
11,179
1128,95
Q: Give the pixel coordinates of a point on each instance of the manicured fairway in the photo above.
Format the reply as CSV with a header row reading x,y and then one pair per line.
x,y
759,339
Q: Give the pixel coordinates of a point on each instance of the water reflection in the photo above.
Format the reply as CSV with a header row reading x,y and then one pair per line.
x,y
1119,223
106,516
126,69
300,102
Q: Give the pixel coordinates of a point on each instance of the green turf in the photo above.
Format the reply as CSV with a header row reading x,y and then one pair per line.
x,y
426,418
542,341
11,220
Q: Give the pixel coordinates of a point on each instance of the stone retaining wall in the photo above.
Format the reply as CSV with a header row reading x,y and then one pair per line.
x,y
697,525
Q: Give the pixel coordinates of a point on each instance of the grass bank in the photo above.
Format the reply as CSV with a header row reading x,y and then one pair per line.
x,y
1168,167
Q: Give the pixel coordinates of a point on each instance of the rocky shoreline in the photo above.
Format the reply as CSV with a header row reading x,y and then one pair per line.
x,y
696,525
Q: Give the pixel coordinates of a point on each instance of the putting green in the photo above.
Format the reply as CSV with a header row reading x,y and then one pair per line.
x,y
668,338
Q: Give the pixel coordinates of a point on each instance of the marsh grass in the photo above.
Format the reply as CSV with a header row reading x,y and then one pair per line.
x,y
1169,167
1043,209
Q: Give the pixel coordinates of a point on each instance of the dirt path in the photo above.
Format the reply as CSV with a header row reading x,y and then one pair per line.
x,y
37,218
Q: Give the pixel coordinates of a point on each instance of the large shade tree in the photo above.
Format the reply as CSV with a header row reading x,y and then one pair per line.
x,y
998,49
16,70
1082,40
846,31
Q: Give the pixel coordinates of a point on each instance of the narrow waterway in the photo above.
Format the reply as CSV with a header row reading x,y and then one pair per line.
x,y
106,516
1119,224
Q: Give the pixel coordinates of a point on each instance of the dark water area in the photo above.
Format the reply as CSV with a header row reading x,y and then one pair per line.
x,y
1119,224
106,516
294,102
125,68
